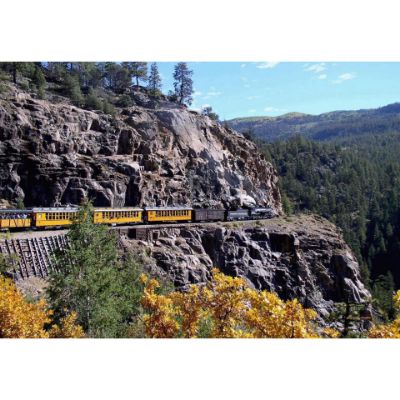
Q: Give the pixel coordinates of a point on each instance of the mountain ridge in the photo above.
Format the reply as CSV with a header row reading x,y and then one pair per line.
x,y
326,126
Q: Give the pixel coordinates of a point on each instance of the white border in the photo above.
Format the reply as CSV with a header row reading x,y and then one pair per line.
x,y
210,30
217,30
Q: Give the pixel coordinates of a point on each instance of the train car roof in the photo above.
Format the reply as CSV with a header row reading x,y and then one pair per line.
x,y
8,210
168,208
209,209
54,209
119,209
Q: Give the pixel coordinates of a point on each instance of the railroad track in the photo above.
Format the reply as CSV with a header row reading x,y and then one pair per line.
x,y
31,256
30,253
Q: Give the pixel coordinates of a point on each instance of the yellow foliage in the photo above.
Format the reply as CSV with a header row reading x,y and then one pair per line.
x,y
233,309
390,330
159,322
396,299
21,319
330,333
68,328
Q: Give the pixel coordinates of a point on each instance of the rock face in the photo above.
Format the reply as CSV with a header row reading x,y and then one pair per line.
x,y
299,257
149,154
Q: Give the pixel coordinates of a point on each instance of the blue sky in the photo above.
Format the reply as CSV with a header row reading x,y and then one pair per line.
x,y
244,89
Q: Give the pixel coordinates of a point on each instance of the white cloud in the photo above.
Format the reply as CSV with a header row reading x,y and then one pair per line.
x,y
270,109
267,65
252,97
322,76
246,85
252,111
316,68
197,93
243,65
344,77
213,93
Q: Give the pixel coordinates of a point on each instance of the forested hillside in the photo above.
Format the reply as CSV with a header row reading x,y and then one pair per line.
x,y
327,126
355,184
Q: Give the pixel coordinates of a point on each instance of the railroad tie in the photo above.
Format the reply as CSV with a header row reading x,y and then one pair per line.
x,y
46,247
42,265
33,261
20,260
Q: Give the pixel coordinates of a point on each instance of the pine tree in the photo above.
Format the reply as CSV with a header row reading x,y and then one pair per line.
x,y
154,84
208,111
90,280
72,89
39,81
137,70
183,84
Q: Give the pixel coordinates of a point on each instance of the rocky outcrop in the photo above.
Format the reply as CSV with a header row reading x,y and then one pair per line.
x,y
298,257
149,154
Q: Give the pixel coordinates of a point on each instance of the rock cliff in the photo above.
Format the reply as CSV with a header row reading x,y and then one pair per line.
x,y
154,153
158,153
298,257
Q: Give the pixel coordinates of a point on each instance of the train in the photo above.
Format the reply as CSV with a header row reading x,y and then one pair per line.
x,y
58,217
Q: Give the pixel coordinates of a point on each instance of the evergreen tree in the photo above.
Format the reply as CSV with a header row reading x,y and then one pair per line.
x,y
89,279
383,290
183,84
39,81
138,71
208,111
15,68
72,89
154,84
92,101
118,77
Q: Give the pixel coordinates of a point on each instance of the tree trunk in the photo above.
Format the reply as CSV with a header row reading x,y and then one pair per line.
x,y
14,72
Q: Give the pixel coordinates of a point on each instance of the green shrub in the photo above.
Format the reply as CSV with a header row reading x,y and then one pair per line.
x,y
93,102
124,101
108,108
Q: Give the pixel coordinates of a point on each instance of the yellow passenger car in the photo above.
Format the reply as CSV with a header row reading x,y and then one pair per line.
x,y
11,219
168,214
115,216
51,217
